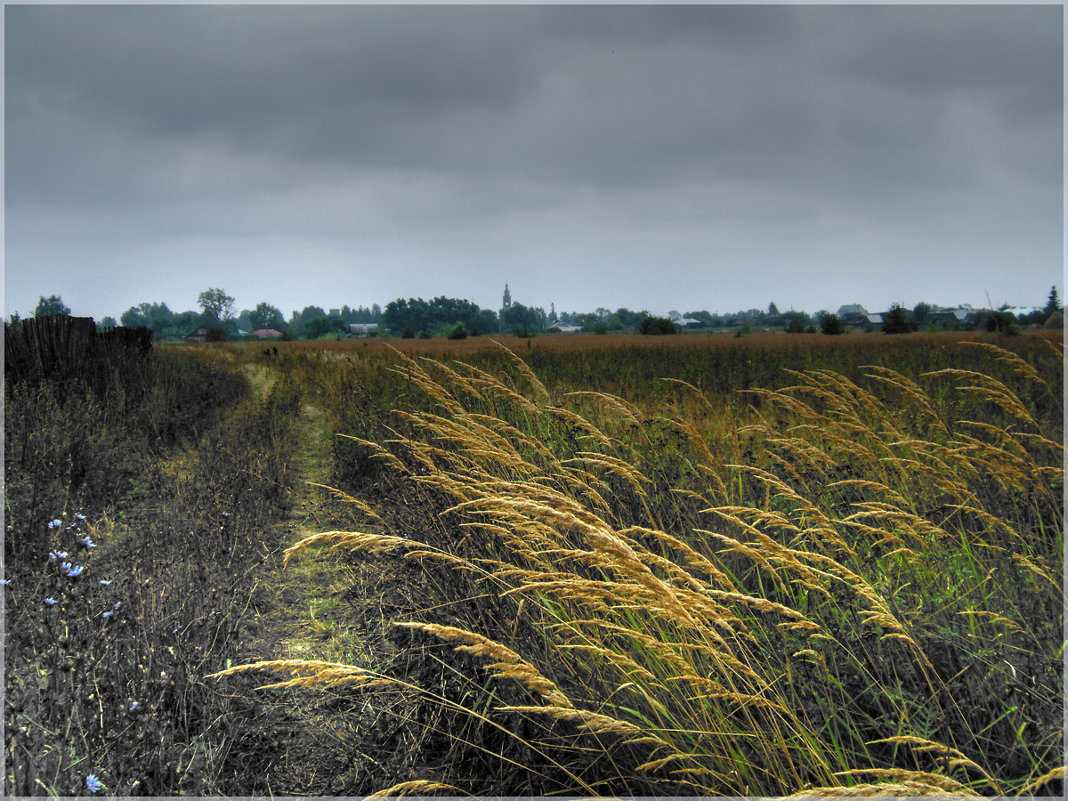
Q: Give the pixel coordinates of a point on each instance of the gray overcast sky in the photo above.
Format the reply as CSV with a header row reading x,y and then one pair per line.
x,y
685,157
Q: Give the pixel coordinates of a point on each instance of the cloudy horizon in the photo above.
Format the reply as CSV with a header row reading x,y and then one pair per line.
x,y
653,157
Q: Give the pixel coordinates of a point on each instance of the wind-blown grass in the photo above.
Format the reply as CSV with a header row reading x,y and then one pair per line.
x,y
855,587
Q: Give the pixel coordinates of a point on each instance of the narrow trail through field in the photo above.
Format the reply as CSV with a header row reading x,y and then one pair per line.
x,y
290,625
316,608
300,738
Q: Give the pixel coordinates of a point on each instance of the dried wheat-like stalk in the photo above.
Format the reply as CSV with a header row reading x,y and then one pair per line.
x,y
309,673
372,543
455,377
622,662
509,664
344,496
419,376
1018,364
990,388
1041,781
592,722
524,368
954,758
910,388
623,557
944,783
582,424
379,452
495,387
625,410
696,560
903,789
414,787
613,465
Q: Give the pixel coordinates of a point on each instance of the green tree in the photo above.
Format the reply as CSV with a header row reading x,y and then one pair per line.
x,y
485,322
896,321
217,306
657,325
522,318
1002,322
632,319
107,323
796,324
322,326
266,316
52,306
1053,303
830,324
155,316
920,312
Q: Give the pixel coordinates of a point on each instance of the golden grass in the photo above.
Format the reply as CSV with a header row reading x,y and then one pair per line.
x,y
763,621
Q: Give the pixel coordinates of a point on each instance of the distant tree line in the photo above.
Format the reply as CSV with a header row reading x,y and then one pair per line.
x,y
456,318
440,316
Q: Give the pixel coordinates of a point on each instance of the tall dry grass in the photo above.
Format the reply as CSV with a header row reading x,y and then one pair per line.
x,y
856,589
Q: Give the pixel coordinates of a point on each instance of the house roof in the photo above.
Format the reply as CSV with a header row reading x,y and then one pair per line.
x,y
851,308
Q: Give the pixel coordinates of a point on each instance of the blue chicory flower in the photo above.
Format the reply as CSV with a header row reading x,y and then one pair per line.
x,y
133,706
55,523
93,783
88,542
79,515
50,601
57,555
107,614
5,581
105,582
75,571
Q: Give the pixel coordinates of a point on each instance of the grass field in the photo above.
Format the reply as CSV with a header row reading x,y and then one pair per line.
x,y
602,565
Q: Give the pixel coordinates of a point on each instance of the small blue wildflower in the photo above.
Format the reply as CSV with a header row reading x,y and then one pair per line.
x,y
108,614
5,582
105,582
118,604
133,706
55,523
74,572
50,601
79,515
88,542
225,514
57,555
93,783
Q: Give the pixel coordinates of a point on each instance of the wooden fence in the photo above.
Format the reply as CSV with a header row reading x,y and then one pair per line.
x,y
61,347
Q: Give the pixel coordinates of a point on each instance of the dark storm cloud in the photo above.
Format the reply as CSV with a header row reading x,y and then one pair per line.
x,y
475,134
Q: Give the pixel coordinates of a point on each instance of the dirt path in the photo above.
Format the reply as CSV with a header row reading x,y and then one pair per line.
x,y
317,608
